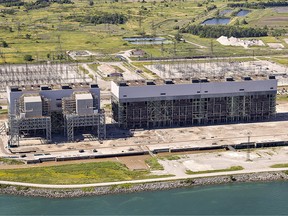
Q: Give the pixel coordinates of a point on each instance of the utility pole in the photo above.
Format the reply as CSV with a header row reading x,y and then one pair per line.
x,y
140,19
211,47
248,147
162,48
153,28
174,49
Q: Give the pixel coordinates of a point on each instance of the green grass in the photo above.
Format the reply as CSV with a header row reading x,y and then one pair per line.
x,y
170,157
154,164
84,70
281,60
9,161
3,111
54,29
232,168
282,98
279,165
94,66
83,173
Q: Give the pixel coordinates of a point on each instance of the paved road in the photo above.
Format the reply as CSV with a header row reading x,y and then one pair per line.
x,y
141,181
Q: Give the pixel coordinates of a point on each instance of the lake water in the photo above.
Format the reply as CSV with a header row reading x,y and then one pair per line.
x,y
147,40
243,13
216,21
233,199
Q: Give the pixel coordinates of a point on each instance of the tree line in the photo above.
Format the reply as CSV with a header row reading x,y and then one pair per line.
x,y
33,5
104,18
259,5
207,31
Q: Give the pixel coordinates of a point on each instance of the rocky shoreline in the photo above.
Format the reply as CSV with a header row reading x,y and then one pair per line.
x,y
132,188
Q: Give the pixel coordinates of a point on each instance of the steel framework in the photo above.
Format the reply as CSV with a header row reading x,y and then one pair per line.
x,y
73,121
193,111
96,121
18,125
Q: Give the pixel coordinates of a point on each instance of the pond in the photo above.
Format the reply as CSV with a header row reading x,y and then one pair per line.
x,y
146,40
216,21
242,13
281,9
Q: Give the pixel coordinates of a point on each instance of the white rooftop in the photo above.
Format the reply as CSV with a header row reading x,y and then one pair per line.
x,y
32,99
83,96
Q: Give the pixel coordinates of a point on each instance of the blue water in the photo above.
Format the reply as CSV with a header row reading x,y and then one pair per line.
x,y
147,40
233,199
243,13
216,21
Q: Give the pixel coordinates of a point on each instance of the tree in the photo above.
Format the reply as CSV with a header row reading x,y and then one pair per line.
x,y
237,22
178,37
28,36
28,58
4,44
91,3
244,22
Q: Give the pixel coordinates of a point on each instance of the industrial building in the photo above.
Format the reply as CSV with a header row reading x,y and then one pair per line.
x,y
191,101
44,110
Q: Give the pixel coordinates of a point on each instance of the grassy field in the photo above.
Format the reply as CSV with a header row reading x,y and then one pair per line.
x,y
154,164
170,157
83,173
54,29
232,168
9,161
3,111
279,166
282,98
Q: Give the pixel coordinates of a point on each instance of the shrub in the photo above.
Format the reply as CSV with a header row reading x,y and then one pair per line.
x,y
28,58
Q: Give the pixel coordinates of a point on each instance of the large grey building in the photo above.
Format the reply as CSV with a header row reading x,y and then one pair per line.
x,y
37,111
184,102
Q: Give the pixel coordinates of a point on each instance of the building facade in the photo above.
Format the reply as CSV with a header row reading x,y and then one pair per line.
x,y
185,102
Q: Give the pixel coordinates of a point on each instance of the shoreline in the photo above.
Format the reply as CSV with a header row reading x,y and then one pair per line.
x,y
141,187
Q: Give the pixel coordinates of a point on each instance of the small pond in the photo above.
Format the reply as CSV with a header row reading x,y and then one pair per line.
x,y
281,9
242,13
216,21
146,40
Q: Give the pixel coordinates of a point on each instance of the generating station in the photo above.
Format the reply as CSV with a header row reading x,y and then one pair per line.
x,y
45,110
191,101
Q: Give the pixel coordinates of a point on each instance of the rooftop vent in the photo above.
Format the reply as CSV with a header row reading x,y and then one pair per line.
x,y
204,80
150,82
229,79
123,84
66,87
168,82
247,78
94,85
14,89
195,80
272,77
44,88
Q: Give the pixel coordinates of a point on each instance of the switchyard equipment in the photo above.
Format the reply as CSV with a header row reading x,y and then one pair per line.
x,y
51,109
193,101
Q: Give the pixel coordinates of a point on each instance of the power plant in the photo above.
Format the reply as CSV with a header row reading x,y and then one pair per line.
x,y
193,101
44,110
